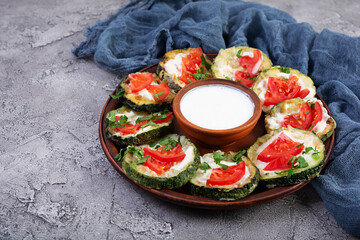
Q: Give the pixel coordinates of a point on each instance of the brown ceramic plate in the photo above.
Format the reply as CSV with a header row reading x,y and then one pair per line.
x,y
182,195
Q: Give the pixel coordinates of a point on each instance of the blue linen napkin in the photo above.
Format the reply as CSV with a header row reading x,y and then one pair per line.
x,y
139,34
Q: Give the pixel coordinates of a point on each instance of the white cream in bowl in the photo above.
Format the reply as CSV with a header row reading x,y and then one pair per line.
x,y
216,106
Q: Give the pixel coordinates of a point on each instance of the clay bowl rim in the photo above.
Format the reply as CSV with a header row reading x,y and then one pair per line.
x,y
224,132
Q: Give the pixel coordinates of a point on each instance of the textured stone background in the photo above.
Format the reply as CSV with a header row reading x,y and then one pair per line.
x,y
55,181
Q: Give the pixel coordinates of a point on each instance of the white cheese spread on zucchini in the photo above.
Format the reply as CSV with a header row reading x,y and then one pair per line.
x,y
201,176
174,66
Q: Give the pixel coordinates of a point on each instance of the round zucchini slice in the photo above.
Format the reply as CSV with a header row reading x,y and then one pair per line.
x,y
278,84
231,178
157,168
287,156
125,126
240,64
144,100
296,112
170,69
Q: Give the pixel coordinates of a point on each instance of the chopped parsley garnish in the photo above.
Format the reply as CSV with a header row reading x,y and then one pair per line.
x,y
167,143
301,164
153,144
119,155
150,123
265,70
308,149
306,112
138,153
153,116
170,145
238,54
146,118
228,78
205,63
238,156
118,94
285,69
164,141
315,155
205,166
158,94
312,105
299,145
200,74
218,158
120,123
179,141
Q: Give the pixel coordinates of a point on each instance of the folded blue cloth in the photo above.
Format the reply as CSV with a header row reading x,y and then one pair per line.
x,y
140,33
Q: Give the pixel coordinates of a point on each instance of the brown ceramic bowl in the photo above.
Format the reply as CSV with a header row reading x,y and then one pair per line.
x,y
217,138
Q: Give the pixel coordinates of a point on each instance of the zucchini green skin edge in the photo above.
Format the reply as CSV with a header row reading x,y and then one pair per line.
x,y
158,107
162,182
283,180
226,194
294,179
327,135
141,138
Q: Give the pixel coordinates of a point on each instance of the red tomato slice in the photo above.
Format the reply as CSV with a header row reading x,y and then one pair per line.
x,y
139,81
243,78
278,164
251,64
128,129
159,92
279,152
190,64
157,166
228,176
302,119
279,90
303,93
168,117
317,115
175,154
196,52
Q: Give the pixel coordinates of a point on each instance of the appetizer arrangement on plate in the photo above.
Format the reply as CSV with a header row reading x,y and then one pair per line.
x,y
142,137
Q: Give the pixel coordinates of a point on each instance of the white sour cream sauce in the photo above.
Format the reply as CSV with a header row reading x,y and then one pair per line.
x,y
217,107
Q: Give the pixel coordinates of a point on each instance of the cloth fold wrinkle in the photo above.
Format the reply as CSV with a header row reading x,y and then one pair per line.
x,y
331,59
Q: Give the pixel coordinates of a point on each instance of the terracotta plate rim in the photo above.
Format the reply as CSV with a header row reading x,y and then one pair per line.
x,y
188,200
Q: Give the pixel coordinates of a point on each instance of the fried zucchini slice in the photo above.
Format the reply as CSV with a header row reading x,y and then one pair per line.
x,y
125,126
240,64
278,84
154,166
287,156
145,100
310,115
182,66
235,177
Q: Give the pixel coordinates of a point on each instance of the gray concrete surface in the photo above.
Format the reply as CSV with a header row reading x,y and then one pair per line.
x,y
55,181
